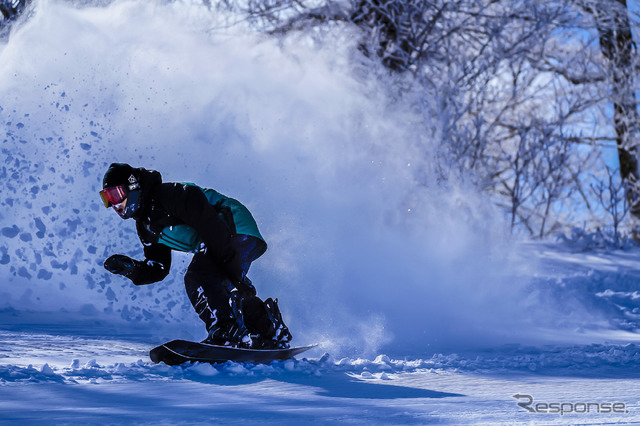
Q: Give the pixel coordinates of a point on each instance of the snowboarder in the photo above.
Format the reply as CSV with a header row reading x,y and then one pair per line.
x,y
224,238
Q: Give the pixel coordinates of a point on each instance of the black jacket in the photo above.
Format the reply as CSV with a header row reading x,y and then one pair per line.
x,y
167,204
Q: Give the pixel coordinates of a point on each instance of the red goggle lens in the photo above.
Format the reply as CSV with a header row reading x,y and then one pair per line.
x,y
113,195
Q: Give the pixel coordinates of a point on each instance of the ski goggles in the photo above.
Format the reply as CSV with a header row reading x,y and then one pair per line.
x,y
113,195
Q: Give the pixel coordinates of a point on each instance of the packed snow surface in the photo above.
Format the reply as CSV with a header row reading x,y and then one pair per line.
x,y
424,309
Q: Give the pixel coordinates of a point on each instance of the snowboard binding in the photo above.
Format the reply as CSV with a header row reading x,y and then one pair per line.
x,y
278,335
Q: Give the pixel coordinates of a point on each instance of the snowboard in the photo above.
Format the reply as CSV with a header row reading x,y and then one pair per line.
x,y
178,352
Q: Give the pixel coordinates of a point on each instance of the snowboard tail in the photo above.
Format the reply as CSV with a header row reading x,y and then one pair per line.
x,y
178,352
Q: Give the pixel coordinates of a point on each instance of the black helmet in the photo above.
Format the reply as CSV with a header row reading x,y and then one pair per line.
x,y
120,182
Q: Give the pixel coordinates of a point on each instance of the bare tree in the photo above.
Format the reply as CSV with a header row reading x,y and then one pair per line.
x,y
617,45
10,9
518,88
610,194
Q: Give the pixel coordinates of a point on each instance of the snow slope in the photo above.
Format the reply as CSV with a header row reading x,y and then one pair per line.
x,y
88,371
424,309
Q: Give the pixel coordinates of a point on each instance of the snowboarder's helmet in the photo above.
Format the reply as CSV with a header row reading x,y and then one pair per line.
x,y
120,182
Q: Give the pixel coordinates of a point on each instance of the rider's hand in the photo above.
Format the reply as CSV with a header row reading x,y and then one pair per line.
x,y
237,275
120,264
233,267
245,287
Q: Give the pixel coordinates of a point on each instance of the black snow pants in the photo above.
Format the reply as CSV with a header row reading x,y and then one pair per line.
x,y
209,288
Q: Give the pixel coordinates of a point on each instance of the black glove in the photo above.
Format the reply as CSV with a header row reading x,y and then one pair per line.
x,y
121,265
245,287
233,268
237,275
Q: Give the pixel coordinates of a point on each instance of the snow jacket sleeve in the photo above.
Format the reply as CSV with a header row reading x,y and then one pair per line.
x,y
156,265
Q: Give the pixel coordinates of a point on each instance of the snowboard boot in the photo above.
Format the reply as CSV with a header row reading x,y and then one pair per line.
x,y
228,333
278,335
231,331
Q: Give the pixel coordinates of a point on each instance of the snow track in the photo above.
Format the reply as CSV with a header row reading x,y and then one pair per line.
x,y
66,378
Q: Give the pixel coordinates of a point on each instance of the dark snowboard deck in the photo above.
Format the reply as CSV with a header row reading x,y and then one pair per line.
x,y
178,352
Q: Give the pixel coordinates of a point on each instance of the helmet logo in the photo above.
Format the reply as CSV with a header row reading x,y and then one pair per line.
x,y
133,183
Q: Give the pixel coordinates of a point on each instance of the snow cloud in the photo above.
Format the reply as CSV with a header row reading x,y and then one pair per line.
x,y
366,247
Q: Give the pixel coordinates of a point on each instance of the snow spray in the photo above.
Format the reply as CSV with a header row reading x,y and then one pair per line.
x,y
367,248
